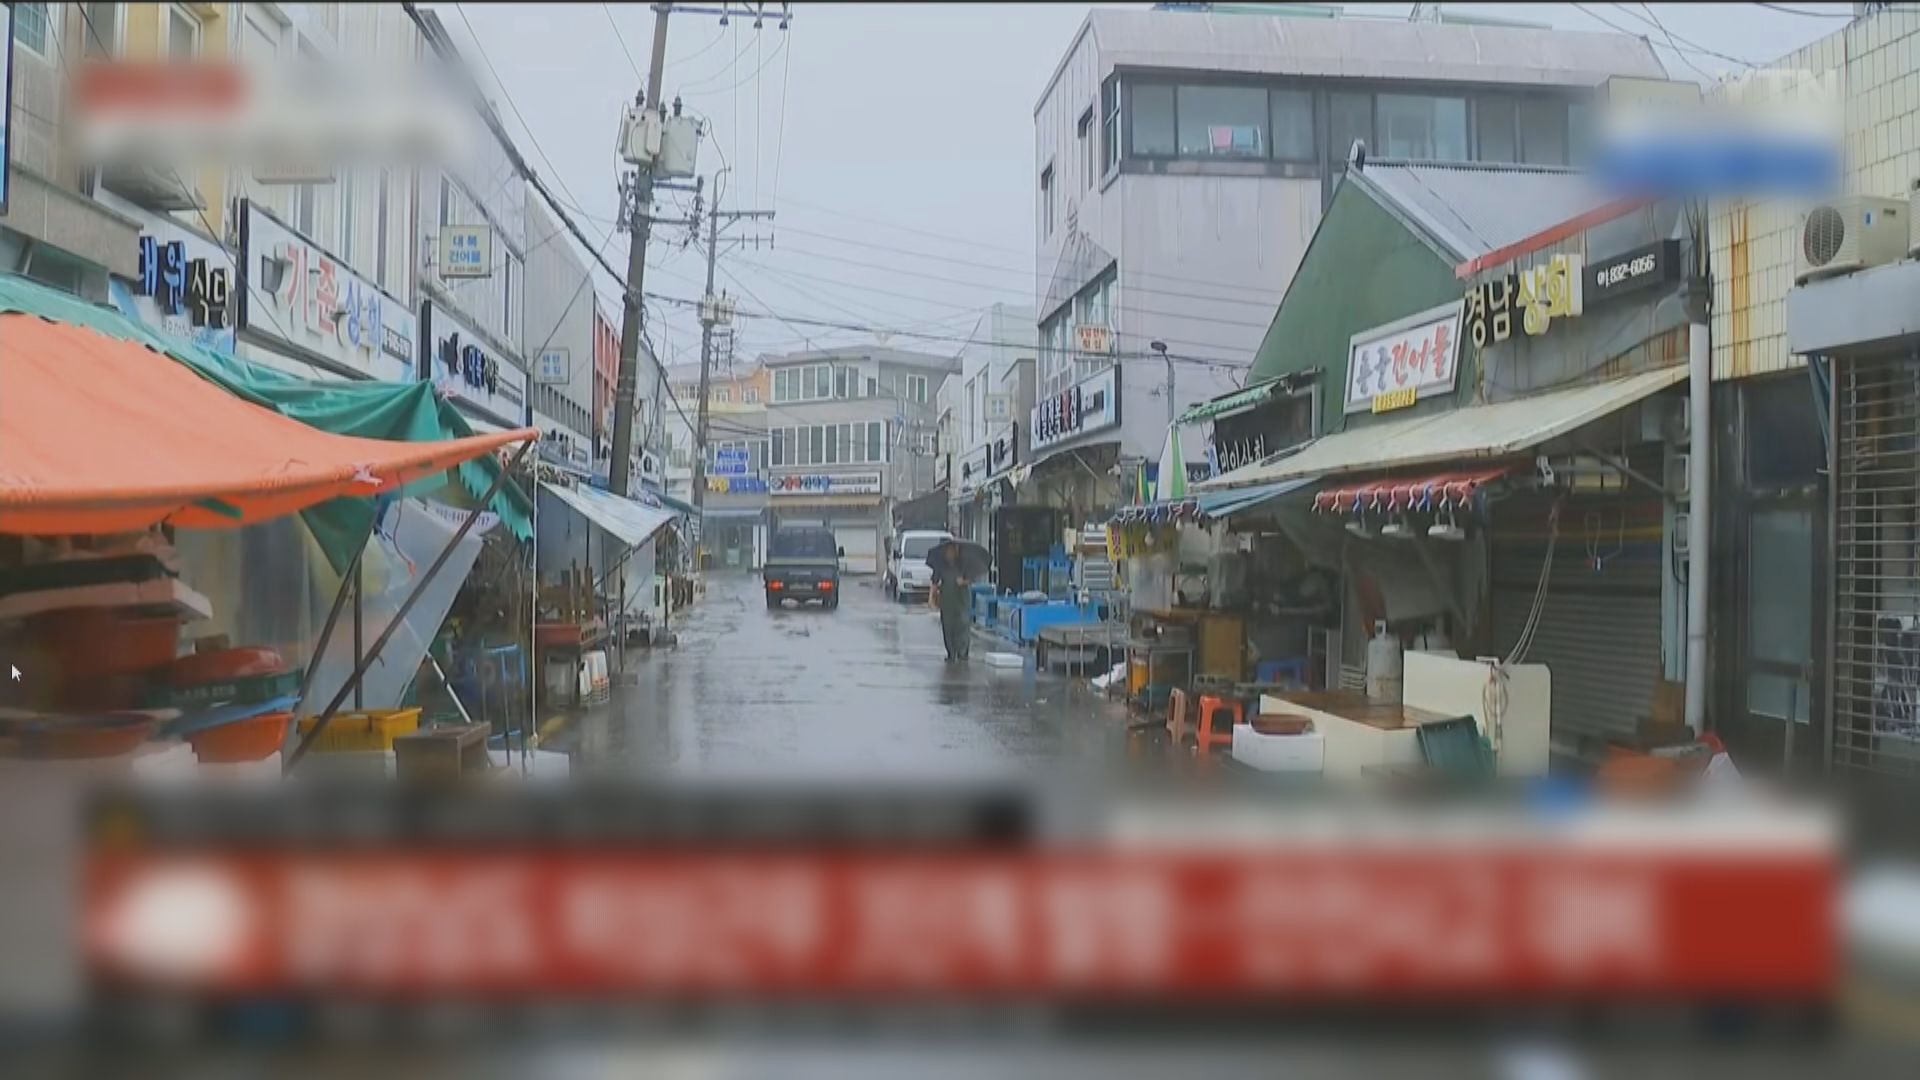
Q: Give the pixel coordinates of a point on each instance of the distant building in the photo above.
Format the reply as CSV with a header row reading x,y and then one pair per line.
x,y
1183,160
734,519
852,431
989,425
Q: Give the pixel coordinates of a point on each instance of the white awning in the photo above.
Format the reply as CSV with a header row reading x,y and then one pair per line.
x,y
630,522
1478,431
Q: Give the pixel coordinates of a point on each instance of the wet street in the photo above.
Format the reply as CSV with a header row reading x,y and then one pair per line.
x,y
860,692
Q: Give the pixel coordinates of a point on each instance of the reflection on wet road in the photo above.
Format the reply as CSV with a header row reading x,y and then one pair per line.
x,y
864,691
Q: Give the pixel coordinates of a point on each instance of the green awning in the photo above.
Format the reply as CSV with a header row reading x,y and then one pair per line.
x,y
401,412
1257,394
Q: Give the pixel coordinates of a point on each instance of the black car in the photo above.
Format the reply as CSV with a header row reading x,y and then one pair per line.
x,y
803,563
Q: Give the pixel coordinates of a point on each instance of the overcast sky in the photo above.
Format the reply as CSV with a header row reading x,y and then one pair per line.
x,y
895,142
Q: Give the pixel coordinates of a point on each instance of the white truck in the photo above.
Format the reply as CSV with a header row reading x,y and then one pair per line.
x,y
908,575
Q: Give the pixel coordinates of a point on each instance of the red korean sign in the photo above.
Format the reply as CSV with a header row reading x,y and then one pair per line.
x,y
1487,923
1392,366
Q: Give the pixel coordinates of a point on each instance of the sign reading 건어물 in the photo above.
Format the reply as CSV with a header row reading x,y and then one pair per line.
x,y
1393,366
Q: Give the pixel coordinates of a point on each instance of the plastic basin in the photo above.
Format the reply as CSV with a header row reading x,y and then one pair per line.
x,y
251,739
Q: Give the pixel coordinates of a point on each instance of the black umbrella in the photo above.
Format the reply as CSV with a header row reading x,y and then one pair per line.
x,y
959,558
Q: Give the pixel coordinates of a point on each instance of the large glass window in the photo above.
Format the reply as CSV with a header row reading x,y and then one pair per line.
x,y
30,26
1291,135
817,445
1222,121
1780,611
876,440
1349,117
833,446
1497,127
1543,132
1423,128
822,382
1152,120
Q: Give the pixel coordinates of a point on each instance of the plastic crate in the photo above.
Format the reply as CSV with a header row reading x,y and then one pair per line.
x,y
373,729
246,690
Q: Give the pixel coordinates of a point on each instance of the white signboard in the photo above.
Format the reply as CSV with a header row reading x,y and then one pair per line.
x,y
299,297
972,471
562,445
465,368
1088,406
466,251
862,483
1392,366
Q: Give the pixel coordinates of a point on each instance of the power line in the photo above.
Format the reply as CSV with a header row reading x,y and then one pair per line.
x,y
1813,14
460,10
622,39
1617,28
1671,43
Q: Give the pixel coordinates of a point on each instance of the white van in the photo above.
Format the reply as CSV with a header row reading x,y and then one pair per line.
x,y
908,575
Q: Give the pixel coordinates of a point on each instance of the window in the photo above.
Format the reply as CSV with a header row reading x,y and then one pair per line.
x,y
1579,132
751,395
1046,201
1543,132
506,293
873,386
1292,125
102,28
304,198
816,446
876,440
917,388
1089,153
30,27
1497,126
1110,122
1423,128
381,237
782,386
845,439
834,445
722,395
1221,121
346,219
1780,612
1350,117
844,380
1152,121
182,41
446,202
779,448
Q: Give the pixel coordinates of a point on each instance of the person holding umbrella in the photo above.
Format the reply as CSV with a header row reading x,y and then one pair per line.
x,y
955,565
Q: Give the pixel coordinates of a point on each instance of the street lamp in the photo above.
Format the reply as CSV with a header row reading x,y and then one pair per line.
x,y
1161,348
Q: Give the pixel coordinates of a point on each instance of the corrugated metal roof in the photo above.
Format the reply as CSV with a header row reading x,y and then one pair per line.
x,y
1478,431
1368,49
634,523
1472,209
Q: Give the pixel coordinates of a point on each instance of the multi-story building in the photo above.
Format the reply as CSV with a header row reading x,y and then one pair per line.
x,y
852,431
1182,162
558,337
606,380
734,521
987,424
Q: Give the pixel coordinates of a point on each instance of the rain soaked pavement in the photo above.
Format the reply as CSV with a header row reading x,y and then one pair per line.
x,y
864,691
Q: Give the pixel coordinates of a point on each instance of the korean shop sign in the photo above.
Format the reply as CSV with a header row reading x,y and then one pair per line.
x,y
1537,295
466,369
1090,405
296,295
864,483
1392,366
182,286
466,251
1641,268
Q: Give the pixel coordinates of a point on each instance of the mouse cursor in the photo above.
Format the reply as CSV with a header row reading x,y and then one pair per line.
x,y
16,672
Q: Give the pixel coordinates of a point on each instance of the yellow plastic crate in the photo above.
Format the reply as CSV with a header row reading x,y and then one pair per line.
x,y
373,729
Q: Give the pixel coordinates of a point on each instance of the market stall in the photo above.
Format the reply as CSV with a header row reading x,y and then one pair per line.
x,y
107,450
622,589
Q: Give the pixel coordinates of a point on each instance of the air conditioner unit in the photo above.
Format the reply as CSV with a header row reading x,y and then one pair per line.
x,y
1913,208
1850,234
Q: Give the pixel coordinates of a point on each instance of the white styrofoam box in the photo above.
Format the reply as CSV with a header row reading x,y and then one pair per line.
x,y
1278,753
1005,660
264,771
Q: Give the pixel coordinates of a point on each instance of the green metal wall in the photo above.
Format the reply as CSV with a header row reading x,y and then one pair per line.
x,y
1362,269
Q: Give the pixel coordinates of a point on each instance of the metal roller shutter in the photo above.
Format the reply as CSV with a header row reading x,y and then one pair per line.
x,y
1876,566
862,550
1599,633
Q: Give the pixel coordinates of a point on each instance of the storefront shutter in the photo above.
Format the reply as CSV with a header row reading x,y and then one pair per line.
x,y
1599,632
1876,566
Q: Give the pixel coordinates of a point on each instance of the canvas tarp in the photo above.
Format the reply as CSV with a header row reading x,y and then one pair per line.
x,y
408,412
99,434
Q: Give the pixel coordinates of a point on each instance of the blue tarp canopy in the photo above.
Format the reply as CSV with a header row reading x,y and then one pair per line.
x,y
1211,505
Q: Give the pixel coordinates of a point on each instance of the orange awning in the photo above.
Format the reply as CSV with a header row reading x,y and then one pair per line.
x,y
100,435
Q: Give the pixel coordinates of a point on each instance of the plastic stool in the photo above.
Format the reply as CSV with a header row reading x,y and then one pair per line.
x,y
1271,671
1204,735
1177,727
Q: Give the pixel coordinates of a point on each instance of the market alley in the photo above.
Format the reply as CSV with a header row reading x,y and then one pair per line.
x,y
863,691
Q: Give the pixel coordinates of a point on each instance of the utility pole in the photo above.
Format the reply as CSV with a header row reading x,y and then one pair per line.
x,y
714,310
640,224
